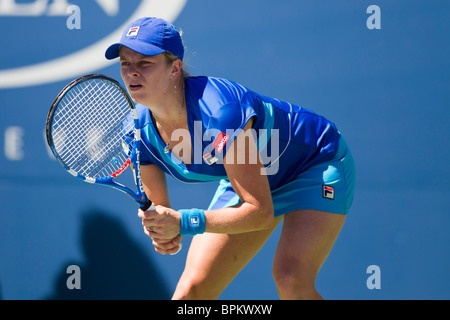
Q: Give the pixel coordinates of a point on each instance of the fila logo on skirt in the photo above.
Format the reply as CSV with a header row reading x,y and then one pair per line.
x,y
328,192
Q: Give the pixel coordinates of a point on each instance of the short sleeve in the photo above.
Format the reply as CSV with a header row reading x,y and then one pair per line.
x,y
226,124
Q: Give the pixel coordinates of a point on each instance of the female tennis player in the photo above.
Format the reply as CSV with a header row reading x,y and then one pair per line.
x,y
275,161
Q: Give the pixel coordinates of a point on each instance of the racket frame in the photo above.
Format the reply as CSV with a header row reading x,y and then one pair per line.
x,y
134,158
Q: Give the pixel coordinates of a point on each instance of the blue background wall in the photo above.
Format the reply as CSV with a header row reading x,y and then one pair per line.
x,y
386,89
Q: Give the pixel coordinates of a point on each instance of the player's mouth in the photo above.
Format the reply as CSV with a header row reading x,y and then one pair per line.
x,y
134,86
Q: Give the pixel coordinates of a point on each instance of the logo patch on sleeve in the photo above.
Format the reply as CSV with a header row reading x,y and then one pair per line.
x,y
209,159
220,141
328,192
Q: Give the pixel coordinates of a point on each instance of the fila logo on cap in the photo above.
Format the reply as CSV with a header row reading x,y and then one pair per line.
x,y
328,192
133,32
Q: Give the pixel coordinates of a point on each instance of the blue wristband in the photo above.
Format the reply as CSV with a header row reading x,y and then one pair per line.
x,y
192,221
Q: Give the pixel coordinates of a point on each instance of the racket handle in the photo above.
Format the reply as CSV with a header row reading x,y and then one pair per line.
x,y
148,205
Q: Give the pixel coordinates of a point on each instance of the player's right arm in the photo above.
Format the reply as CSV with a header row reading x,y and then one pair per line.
x,y
155,186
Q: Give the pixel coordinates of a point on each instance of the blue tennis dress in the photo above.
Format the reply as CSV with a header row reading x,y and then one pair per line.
x,y
293,142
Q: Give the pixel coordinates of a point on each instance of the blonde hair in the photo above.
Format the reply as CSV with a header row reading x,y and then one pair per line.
x,y
170,58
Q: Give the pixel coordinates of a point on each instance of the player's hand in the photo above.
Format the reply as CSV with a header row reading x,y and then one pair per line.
x,y
161,223
163,246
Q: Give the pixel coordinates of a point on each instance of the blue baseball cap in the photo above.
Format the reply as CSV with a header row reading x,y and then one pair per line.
x,y
149,36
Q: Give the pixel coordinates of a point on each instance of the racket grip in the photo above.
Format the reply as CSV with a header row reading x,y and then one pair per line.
x,y
148,205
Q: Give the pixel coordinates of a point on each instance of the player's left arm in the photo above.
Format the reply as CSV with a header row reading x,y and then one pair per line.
x,y
255,212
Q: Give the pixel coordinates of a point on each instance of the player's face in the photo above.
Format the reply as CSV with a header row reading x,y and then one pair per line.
x,y
147,78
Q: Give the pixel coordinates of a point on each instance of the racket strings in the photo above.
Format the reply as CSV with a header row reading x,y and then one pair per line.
x,y
90,124
98,137
99,152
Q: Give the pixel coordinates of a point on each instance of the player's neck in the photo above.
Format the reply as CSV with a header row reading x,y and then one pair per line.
x,y
171,111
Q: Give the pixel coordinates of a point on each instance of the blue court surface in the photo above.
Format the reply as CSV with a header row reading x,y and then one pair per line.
x,y
379,69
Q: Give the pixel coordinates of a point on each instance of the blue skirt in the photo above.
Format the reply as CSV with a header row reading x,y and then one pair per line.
x,y
327,186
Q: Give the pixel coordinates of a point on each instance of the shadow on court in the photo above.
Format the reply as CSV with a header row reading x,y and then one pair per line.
x,y
115,267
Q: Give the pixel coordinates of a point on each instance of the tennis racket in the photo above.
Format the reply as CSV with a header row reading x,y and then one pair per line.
x,y
93,131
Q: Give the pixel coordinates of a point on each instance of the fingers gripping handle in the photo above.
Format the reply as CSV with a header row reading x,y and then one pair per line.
x,y
148,205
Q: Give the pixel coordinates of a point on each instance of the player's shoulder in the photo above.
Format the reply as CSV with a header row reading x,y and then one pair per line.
x,y
214,89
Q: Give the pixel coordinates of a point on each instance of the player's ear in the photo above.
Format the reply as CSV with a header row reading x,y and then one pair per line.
x,y
176,68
